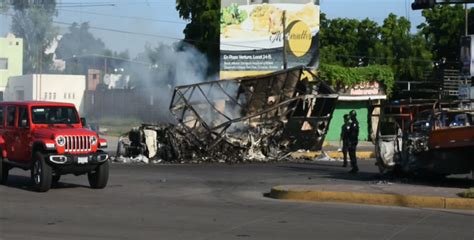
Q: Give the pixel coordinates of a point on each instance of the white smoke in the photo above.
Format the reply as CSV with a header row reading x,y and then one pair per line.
x,y
170,66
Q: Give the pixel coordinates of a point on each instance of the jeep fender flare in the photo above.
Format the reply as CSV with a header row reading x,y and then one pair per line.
x,y
39,145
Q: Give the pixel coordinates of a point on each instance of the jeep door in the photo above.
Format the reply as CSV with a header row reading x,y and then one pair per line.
x,y
10,133
2,125
17,135
22,142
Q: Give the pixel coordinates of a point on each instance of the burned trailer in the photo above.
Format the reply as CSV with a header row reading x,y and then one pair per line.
x,y
253,118
425,137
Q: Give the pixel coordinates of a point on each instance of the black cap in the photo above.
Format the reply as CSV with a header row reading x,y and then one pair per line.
x,y
353,113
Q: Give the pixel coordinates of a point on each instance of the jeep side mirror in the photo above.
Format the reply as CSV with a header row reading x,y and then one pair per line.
x,y
84,122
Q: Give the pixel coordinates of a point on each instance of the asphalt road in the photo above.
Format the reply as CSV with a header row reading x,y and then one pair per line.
x,y
212,201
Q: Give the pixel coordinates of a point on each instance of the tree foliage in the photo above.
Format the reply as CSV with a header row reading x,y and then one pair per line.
x,y
354,43
406,53
34,23
202,31
4,6
443,28
79,42
339,41
340,77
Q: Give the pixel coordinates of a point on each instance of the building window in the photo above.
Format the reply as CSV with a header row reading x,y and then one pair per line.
x,y
45,96
1,97
3,63
94,76
54,96
65,95
17,43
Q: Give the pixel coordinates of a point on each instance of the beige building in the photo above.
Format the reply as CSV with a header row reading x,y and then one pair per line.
x,y
11,60
47,87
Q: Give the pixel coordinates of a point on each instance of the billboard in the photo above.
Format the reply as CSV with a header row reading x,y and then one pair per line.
x,y
261,36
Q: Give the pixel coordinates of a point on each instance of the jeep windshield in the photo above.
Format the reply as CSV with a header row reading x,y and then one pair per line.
x,y
54,115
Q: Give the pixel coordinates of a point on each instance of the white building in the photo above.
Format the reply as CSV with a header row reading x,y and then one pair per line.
x,y
47,87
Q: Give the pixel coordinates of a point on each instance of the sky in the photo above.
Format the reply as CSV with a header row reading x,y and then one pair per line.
x,y
131,24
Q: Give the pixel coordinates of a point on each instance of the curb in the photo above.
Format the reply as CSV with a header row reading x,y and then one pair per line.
x,y
331,154
412,201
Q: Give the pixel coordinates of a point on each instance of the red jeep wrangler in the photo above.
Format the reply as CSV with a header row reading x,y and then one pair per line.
x,y
49,139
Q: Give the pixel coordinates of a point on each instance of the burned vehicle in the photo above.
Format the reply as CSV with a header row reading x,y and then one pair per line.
x,y
250,118
425,137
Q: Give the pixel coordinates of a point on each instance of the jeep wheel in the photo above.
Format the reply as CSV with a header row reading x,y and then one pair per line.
x,y
99,177
56,178
3,171
41,173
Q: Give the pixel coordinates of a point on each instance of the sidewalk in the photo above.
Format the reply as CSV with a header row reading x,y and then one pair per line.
x,y
365,150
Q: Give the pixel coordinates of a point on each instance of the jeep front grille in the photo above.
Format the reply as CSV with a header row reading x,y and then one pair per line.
x,y
77,144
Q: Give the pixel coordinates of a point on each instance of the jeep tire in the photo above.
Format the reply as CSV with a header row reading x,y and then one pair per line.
x,y
56,178
3,171
99,177
41,173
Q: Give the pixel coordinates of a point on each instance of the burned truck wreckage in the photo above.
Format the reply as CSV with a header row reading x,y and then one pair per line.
x,y
425,137
259,118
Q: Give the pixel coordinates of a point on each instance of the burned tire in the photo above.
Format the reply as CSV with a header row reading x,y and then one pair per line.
x,y
41,173
99,177
3,171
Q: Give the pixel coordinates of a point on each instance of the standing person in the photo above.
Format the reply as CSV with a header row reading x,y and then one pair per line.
x,y
346,126
353,141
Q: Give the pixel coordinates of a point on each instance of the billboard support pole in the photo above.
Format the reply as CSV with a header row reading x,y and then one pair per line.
x,y
285,56
466,13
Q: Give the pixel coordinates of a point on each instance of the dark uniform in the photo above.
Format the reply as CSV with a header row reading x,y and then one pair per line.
x,y
345,130
353,141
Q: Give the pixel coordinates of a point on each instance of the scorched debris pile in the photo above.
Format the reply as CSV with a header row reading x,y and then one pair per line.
x,y
245,119
425,136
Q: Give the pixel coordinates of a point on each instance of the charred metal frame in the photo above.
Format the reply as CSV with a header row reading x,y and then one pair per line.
x,y
207,110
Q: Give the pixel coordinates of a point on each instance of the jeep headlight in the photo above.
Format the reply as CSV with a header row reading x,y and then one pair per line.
x,y
60,141
93,140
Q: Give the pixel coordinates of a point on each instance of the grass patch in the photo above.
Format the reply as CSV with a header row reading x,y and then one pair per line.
x,y
469,193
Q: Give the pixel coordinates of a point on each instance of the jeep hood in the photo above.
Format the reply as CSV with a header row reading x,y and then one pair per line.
x,y
49,131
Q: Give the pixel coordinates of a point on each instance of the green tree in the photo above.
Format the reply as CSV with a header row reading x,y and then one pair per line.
x,y
4,6
368,35
406,53
203,28
338,40
443,28
348,42
79,42
34,23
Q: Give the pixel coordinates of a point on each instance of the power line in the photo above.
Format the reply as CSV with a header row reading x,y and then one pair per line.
x,y
84,6
126,17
